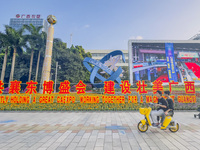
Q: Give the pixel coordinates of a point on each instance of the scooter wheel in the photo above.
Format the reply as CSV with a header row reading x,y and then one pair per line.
x,y
141,127
174,129
194,116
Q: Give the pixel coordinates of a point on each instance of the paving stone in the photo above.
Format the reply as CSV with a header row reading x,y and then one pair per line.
x,y
126,146
98,148
92,138
72,146
36,146
101,135
54,146
86,130
107,146
77,139
90,145
108,132
118,148
86,135
115,135
83,142
79,148
17,146
61,148
108,139
117,143
99,143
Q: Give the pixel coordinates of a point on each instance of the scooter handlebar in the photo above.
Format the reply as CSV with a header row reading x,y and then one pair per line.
x,y
151,104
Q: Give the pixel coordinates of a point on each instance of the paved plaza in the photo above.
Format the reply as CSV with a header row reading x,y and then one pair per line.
x,y
93,130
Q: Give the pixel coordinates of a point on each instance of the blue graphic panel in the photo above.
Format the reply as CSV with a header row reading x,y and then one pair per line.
x,y
171,66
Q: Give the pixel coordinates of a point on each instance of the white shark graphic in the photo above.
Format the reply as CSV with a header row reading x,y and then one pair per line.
x,y
111,64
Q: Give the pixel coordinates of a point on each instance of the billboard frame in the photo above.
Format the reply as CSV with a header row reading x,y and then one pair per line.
x,y
131,41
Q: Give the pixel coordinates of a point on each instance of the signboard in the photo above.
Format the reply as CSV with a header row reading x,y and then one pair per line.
x,y
171,66
66,96
78,97
28,16
188,55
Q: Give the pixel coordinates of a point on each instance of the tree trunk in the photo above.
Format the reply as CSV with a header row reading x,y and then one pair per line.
x,y
4,65
41,81
13,65
31,64
38,62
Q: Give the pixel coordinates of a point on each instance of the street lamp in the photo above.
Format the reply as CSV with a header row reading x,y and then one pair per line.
x,y
57,66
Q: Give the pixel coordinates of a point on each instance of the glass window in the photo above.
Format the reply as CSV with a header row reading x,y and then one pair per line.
x,y
94,55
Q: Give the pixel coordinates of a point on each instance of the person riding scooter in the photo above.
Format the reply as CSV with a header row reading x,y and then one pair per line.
x,y
147,122
170,108
169,100
162,107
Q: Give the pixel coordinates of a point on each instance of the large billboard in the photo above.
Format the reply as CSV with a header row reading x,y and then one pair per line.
x,y
166,61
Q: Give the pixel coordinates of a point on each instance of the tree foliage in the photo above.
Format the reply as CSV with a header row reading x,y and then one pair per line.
x,y
70,60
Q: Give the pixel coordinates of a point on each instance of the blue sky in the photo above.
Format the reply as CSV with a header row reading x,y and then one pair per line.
x,y
108,24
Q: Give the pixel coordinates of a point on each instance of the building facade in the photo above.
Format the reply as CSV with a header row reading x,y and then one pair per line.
x,y
23,19
154,60
99,54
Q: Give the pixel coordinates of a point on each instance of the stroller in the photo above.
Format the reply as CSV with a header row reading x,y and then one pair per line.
x,y
195,115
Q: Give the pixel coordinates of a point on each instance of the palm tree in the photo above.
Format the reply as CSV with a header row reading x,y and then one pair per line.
x,y
33,42
57,45
17,41
42,45
4,40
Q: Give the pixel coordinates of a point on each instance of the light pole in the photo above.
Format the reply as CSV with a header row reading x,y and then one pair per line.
x,y
56,76
71,39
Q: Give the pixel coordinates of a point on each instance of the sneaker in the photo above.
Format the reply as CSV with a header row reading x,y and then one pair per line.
x,y
159,126
154,125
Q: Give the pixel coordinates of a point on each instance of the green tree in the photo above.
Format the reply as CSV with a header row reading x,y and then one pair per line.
x,y
70,59
83,54
57,46
4,42
17,41
42,45
125,73
71,62
22,67
71,67
33,40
